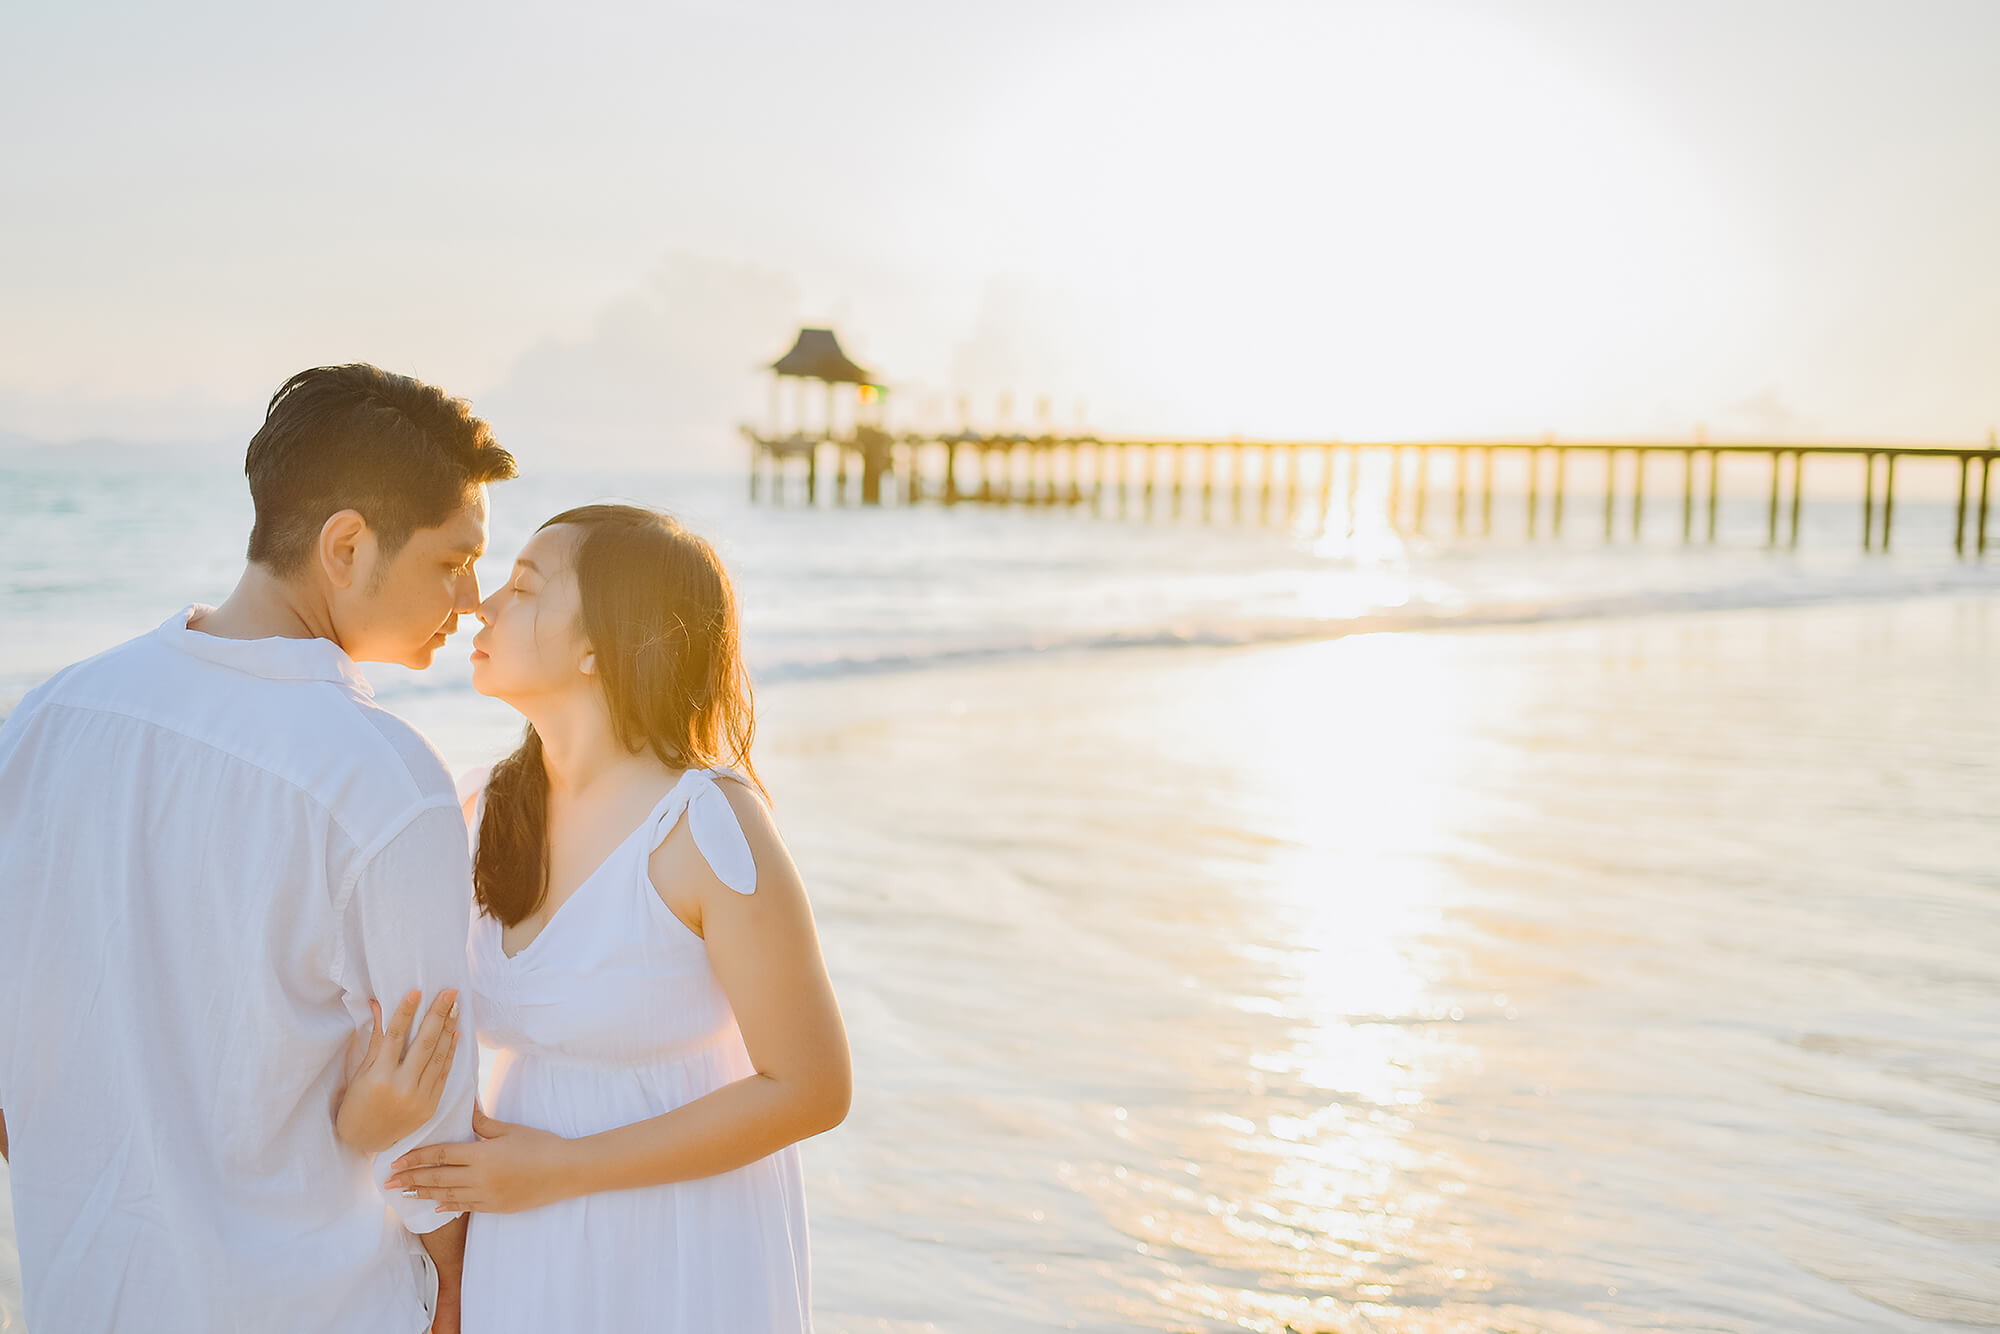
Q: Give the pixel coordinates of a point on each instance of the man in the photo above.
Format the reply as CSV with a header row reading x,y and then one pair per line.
x,y
215,849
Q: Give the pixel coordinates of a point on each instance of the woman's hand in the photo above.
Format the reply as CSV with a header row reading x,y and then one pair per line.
x,y
396,1089
507,1169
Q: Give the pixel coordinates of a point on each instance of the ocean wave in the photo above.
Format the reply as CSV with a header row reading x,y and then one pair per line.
x,y
1222,633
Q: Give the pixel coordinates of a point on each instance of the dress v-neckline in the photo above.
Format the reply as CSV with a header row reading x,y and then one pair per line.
x,y
500,936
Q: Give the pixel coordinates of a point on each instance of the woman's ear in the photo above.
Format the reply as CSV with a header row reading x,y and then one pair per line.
x,y
589,664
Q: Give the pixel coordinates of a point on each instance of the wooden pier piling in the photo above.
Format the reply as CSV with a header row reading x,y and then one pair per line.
x,y
1868,504
1423,487
1610,493
1985,478
1798,492
1486,494
1395,506
1353,487
1771,537
1049,470
1534,456
1888,498
1556,509
1458,485
1687,497
1964,486
1714,488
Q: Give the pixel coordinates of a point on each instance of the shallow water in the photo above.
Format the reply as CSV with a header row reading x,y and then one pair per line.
x,y
1628,976
90,557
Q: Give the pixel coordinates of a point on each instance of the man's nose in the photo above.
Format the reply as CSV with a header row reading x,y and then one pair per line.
x,y
468,595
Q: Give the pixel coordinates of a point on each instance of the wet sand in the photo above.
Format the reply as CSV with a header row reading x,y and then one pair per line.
x,y
1631,975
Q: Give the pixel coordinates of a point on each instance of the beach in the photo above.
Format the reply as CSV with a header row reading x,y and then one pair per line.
x,y
1241,926
1375,629
1615,975
1632,975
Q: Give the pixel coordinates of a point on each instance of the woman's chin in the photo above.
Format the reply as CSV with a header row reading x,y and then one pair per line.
x,y
484,684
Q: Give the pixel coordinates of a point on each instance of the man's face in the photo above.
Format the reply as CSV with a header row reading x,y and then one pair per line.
x,y
402,608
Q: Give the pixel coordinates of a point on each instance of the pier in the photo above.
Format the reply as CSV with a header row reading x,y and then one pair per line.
x,y
1432,486
1420,487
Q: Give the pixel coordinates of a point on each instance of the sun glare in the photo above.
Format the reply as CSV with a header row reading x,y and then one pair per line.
x,y
1386,222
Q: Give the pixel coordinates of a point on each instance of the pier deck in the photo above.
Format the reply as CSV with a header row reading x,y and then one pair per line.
x,y
1278,475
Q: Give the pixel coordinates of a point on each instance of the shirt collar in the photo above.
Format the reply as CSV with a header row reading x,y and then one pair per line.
x,y
275,659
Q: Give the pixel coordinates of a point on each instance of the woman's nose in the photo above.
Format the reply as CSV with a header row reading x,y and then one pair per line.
x,y
484,610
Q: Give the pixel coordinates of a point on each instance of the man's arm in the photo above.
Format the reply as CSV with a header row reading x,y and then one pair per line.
x,y
446,1247
406,922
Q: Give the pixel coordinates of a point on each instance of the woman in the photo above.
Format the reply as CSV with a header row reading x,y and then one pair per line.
x,y
644,959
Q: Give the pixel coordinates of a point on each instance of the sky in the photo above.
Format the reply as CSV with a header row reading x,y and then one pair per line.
x,y
1766,218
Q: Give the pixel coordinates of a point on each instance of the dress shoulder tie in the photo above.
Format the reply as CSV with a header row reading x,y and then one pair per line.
x,y
712,822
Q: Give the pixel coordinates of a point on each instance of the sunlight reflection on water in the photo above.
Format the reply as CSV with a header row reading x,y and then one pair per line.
x,y
1453,984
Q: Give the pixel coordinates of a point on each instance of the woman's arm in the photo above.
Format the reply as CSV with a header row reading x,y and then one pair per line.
x,y
765,952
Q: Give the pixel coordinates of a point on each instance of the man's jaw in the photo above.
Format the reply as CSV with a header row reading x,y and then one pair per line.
x,y
425,654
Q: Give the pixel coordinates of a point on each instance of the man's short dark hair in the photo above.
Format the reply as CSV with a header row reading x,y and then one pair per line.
x,y
402,453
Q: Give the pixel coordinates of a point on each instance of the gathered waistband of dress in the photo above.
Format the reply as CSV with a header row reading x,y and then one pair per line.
x,y
679,1055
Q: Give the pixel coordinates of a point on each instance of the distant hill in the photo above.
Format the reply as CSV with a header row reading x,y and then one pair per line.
x,y
20,450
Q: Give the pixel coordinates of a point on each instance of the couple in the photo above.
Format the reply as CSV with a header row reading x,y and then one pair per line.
x,y
221,862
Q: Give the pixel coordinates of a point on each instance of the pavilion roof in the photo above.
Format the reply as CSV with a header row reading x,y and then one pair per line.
x,y
817,356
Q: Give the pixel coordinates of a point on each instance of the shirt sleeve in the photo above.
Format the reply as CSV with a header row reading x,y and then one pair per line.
x,y
405,927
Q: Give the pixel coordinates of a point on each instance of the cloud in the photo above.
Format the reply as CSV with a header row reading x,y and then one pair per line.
x,y
663,375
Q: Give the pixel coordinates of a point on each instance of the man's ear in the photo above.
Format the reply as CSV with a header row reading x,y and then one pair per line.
x,y
346,545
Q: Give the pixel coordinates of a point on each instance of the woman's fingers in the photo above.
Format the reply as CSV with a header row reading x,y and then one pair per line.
x,y
372,1047
399,1023
434,1155
430,1083
442,1012
430,1178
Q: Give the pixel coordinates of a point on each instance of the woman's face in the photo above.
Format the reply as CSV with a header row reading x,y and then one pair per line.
x,y
532,643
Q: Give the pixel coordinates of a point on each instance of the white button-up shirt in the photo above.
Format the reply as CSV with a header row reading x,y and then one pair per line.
x,y
213,852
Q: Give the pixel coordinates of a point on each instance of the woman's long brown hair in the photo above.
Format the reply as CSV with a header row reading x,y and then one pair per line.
x,y
660,614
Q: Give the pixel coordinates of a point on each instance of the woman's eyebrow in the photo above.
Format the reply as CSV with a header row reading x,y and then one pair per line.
x,y
522,560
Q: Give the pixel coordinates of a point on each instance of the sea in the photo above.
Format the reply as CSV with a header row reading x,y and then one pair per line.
x,y
89,556
1279,921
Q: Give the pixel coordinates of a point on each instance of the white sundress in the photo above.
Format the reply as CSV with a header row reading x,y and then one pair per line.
x,y
612,1015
